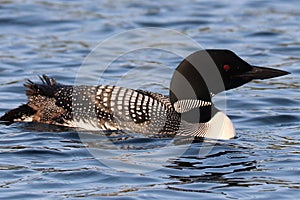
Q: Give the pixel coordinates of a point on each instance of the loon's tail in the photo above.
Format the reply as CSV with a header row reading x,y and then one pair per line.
x,y
26,111
21,113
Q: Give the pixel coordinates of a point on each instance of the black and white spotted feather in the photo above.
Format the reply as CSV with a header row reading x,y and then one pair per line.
x,y
106,107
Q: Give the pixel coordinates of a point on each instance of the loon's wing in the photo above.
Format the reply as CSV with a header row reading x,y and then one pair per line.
x,y
43,105
47,88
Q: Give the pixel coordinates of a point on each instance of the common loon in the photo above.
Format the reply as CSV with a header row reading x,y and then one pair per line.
x,y
187,111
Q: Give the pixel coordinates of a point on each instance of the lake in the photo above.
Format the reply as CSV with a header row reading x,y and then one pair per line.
x,y
138,44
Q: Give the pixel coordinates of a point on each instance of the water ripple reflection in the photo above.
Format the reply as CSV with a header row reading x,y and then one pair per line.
x,y
53,37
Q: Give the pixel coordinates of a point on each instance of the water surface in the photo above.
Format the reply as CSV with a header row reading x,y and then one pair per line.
x,y
53,37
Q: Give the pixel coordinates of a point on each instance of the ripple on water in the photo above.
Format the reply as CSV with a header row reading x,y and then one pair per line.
x,y
49,162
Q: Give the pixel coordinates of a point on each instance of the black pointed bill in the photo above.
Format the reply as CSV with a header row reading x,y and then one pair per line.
x,y
262,73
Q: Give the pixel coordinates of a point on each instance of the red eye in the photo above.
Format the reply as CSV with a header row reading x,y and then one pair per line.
x,y
226,67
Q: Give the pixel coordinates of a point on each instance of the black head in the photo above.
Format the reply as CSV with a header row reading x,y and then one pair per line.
x,y
236,72
213,71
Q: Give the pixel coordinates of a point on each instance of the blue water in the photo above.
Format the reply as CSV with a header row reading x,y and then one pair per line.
x,y
54,37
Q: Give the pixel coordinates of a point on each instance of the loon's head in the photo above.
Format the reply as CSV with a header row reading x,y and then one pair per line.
x,y
211,71
236,72
205,73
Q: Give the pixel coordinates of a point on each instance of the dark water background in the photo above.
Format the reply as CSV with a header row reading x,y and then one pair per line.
x,y
53,37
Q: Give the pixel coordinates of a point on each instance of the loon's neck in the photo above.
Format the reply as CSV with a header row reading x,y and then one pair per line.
x,y
218,127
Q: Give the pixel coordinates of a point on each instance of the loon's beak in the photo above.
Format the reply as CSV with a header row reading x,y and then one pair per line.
x,y
262,73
